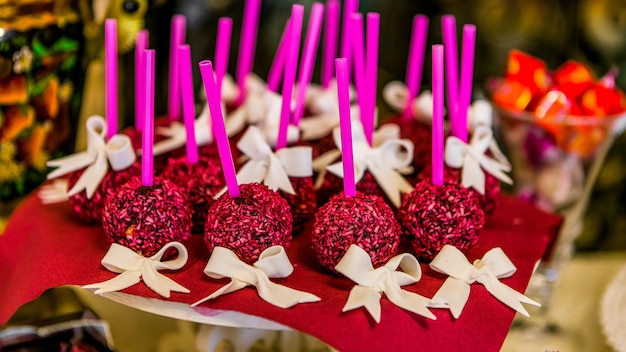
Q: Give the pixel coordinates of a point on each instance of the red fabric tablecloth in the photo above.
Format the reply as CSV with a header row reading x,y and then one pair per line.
x,y
45,246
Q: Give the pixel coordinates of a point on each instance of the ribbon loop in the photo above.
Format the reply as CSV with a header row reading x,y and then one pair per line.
x,y
487,271
272,263
133,267
389,156
473,160
272,169
356,265
117,151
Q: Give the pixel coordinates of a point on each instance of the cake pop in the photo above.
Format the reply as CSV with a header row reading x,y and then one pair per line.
x,y
250,223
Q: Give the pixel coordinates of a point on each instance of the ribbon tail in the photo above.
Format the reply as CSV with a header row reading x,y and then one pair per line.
x,y
453,295
496,169
232,286
499,155
361,296
176,141
69,164
508,296
277,178
236,121
91,178
392,183
282,296
161,284
124,280
410,301
56,192
472,175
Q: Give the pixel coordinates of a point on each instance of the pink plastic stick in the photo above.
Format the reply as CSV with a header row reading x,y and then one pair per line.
x,y
252,10
110,64
308,59
331,32
278,65
186,87
147,157
297,12
371,74
448,23
415,64
467,70
219,130
350,7
222,48
343,95
140,46
358,59
177,38
437,132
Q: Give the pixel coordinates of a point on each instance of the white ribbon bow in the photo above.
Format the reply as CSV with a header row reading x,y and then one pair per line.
x,y
472,159
118,150
356,265
54,192
386,160
273,263
486,271
396,94
272,169
133,268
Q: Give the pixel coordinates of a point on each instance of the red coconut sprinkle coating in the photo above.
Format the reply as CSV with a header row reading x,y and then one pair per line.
x,y
145,219
247,225
432,216
90,210
364,220
453,176
303,204
421,136
201,181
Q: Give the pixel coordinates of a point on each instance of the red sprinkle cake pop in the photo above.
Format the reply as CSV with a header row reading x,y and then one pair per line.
x,y
250,223
432,216
364,220
145,218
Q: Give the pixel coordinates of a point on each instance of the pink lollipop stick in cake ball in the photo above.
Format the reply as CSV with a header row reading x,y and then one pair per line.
x,y
432,216
364,220
201,181
145,218
250,223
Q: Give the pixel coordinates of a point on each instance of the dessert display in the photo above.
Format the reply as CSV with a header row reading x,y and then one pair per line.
x,y
262,215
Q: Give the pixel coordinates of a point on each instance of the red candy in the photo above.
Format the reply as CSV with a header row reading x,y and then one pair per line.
x,y
247,225
433,216
144,218
364,220
201,181
90,209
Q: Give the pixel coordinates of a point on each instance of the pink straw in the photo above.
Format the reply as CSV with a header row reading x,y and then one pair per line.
x,y
147,157
448,23
247,44
350,7
297,12
140,46
358,59
437,132
467,70
219,130
278,65
186,87
343,95
371,75
110,63
415,65
308,59
222,48
329,53
177,38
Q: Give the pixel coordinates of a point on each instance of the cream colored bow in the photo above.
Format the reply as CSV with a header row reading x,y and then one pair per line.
x,y
487,271
389,157
471,158
273,263
133,268
372,283
118,150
